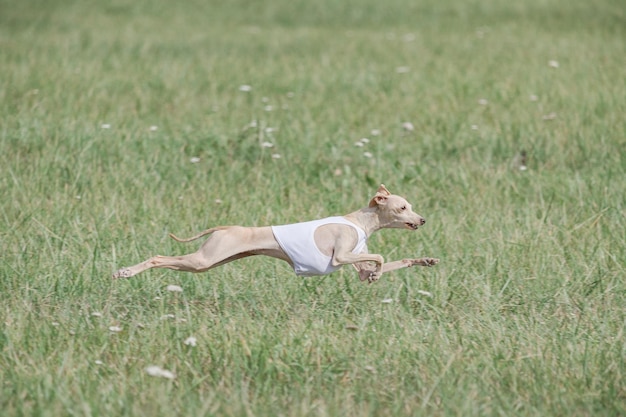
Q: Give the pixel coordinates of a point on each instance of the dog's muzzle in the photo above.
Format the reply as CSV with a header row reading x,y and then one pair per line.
x,y
414,226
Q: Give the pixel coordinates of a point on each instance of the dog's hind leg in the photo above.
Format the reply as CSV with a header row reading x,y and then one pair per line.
x,y
194,262
215,251
223,246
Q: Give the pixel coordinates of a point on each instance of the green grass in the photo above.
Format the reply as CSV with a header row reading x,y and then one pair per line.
x,y
527,310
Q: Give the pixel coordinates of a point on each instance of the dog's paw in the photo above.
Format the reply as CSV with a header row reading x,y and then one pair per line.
x,y
429,261
423,261
123,273
373,277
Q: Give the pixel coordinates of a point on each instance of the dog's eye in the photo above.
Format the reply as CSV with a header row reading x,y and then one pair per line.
x,y
403,208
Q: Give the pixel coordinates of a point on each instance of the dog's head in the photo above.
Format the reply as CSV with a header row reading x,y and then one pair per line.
x,y
394,211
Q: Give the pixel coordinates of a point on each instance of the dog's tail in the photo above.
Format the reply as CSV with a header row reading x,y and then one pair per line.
x,y
199,235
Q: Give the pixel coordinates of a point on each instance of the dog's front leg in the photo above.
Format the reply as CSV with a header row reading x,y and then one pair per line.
x,y
361,263
366,272
407,263
369,274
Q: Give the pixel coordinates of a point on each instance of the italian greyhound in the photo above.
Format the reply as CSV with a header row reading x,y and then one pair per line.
x,y
317,247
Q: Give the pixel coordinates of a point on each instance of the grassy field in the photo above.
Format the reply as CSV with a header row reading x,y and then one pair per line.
x,y
122,121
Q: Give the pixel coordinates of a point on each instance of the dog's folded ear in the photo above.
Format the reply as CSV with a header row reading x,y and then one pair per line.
x,y
383,190
378,200
381,196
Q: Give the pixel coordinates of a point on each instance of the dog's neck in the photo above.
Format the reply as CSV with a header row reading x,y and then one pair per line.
x,y
367,219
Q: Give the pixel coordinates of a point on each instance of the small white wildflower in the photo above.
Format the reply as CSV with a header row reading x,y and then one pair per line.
x,y
167,374
245,88
78,197
270,130
157,371
265,100
55,324
408,126
268,108
402,70
523,167
115,329
375,132
483,102
365,140
96,314
105,126
154,370
409,37
168,316
194,159
474,127
217,201
533,97
267,145
553,63
367,154
359,144
370,368
174,288
98,362
253,123
387,301
157,298
426,293
154,128
190,341
276,156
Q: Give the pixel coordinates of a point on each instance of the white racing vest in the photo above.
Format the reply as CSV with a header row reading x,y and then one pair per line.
x,y
298,242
